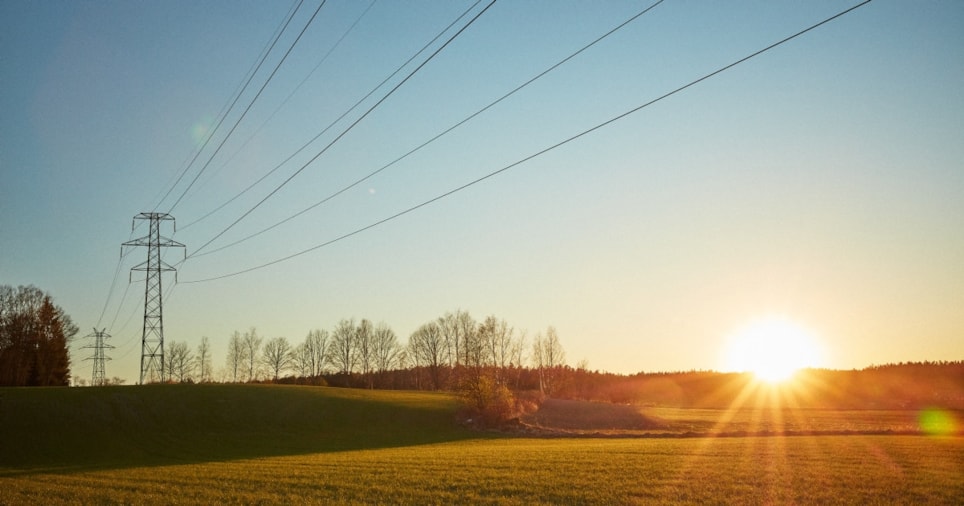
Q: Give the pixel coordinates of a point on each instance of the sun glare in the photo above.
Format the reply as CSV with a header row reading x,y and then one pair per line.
x,y
773,349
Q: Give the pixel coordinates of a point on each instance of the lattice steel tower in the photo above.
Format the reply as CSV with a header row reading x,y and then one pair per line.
x,y
152,340
98,377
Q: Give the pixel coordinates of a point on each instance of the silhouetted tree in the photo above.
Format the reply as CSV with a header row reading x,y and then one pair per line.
x,y
364,336
477,384
301,361
203,360
251,343
385,348
415,359
34,337
428,346
548,357
317,350
235,356
277,355
499,338
344,352
179,362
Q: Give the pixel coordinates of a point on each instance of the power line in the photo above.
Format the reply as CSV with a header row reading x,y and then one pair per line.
x,y
237,96
120,306
538,153
275,112
350,127
226,108
437,136
113,282
110,291
336,120
248,108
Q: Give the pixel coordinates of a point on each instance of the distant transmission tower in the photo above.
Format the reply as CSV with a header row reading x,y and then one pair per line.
x,y
152,338
99,377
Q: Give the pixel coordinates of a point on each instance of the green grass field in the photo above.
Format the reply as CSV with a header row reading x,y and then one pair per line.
x,y
305,445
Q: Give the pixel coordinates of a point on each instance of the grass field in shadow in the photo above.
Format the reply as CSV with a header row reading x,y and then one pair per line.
x,y
43,430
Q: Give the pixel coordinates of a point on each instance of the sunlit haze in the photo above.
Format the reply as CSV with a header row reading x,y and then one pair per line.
x,y
773,349
801,208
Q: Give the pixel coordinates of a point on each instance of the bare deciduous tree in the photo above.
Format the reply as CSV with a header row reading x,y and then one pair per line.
x,y
519,356
456,328
277,355
301,360
476,350
548,356
385,348
203,360
428,345
251,342
482,385
344,354
317,350
364,335
415,360
498,337
236,355
179,362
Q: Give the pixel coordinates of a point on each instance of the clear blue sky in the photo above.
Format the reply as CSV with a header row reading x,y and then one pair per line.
x,y
821,181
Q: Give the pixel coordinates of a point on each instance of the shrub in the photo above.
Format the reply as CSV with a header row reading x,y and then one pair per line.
x,y
486,402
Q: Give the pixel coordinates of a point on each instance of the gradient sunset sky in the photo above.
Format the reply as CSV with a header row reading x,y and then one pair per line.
x,y
821,181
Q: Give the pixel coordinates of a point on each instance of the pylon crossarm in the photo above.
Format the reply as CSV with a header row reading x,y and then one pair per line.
x,y
168,242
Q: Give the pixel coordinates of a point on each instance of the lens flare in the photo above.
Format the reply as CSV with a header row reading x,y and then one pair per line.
x,y
937,422
201,130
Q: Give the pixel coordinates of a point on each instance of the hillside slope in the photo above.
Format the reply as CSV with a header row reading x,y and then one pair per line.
x,y
155,424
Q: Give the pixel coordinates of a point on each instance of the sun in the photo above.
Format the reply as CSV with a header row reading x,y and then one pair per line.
x,y
773,349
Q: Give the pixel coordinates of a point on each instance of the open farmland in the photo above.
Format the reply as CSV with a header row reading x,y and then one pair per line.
x,y
245,444
580,418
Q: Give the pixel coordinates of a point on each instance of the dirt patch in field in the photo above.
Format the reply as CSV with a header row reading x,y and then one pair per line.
x,y
569,415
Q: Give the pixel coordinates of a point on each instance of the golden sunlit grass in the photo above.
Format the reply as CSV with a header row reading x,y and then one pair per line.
x,y
804,470
302,445
577,418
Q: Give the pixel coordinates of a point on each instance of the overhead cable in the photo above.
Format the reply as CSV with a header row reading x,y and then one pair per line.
x,y
336,120
113,283
227,109
275,112
536,154
349,128
248,108
436,137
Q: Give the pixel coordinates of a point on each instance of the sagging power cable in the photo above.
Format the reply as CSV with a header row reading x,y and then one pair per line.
x,y
348,129
538,153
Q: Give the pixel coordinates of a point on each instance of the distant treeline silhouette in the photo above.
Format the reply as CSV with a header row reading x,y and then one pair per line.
x,y
907,385
912,385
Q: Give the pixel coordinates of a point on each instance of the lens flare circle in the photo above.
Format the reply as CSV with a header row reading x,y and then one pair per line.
x,y
200,130
937,422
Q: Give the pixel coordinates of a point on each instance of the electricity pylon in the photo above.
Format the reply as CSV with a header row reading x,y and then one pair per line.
x,y
99,377
152,338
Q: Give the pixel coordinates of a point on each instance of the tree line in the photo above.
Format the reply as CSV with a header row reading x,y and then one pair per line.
x,y
486,361
34,338
364,354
